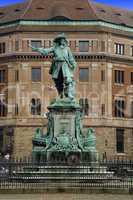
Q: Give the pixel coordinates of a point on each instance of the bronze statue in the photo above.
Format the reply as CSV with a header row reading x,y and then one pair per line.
x,y
62,67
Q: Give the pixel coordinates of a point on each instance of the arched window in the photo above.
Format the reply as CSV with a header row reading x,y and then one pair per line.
x,y
36,106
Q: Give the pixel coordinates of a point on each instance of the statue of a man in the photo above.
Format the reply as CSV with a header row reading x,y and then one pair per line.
x,y
62,67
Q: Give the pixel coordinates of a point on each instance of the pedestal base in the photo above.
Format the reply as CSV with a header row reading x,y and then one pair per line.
x,y
64,139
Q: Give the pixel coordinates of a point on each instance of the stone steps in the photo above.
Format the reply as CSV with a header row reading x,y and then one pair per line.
x,y
63,173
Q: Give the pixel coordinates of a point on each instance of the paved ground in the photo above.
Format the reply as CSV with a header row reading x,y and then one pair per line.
x,y
62,196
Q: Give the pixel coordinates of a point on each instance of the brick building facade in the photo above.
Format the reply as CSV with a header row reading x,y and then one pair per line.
x,y
101,38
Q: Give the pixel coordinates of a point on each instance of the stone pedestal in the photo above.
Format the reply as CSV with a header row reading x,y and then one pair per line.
x,y
64,141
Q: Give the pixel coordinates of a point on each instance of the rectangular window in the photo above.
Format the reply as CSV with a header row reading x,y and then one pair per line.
x,y
119,76
2,76
36,43
103,46
119,108
103,109
2,47
131,78
3,108
131,50
16,75
16,109
1,139
132,109
36,74
102,75
84,106
16,45
83,74
120,140
83,46
119,48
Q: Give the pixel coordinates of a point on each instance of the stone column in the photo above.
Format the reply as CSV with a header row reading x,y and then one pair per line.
x,y
95,89
109,89
11,90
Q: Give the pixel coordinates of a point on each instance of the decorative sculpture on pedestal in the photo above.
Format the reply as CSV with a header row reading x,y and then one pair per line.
x,y
64,132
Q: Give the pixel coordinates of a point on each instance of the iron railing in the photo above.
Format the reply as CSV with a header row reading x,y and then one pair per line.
x,y
25,174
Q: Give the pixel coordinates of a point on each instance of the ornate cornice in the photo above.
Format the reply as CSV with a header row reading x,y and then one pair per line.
x,y
97,57
83,23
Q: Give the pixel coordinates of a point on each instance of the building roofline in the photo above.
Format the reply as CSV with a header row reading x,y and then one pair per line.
x,y
100,23
73,10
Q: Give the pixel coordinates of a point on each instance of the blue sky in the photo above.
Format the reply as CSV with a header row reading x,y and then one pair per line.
x,y
128,4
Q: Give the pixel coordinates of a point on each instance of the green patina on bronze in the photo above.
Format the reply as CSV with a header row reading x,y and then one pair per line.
x,y
62,67
64,129
64,141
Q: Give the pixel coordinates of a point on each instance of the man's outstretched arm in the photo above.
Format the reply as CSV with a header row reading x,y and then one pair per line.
x,y
43,51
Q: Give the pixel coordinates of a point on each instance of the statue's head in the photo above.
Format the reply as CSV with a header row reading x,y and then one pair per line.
x,y
61,40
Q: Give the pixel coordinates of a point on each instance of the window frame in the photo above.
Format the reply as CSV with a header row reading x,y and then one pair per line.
x,y
131,78
132,51
120,140
131,109
16,75
119,48
16,109
2,76
119,76
84,50
81,80
32,42
102,109
2,47
36,79
119,108
35,108
102,75
84,103
3,108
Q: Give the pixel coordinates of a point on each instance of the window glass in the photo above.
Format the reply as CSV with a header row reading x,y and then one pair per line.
x,y
119,76
132,109
120,140
119,48
83,46
132,51
119,108
3,108
36,43
132,78
16,75
103,109
36,74
36,107
83,74
16,109
2,47
2,76
102,75
84,106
